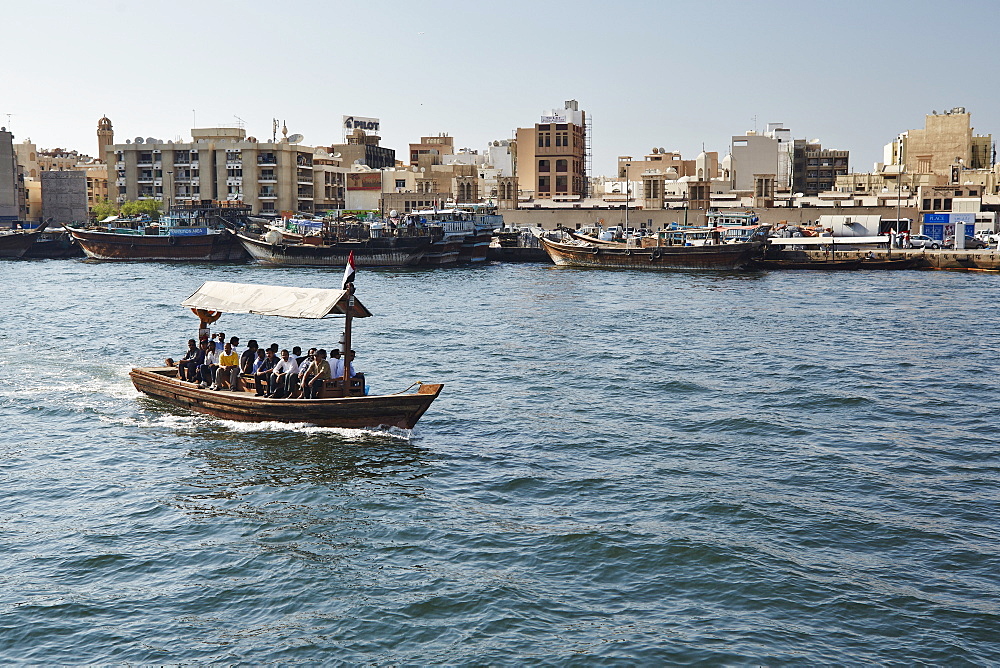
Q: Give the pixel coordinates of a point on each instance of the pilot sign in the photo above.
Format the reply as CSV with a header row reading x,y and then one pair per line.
x,y
352,123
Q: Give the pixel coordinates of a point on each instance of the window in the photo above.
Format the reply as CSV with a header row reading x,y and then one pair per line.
x,y
937,204
400,183
947,204
543,165
927,205
561,184
560,165
543,184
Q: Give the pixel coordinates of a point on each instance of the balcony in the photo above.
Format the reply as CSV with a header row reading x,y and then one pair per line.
x,y
268,179
267,194
267,160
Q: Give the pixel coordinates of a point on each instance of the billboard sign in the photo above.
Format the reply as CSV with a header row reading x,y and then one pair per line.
x,y
352,123
364,181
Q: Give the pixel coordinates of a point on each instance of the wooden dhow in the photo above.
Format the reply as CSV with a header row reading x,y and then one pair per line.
x,y
15,243
276,248
342,402
187,234
658,256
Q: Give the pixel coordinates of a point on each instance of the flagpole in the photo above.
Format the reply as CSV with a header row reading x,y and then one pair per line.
x,y
349,272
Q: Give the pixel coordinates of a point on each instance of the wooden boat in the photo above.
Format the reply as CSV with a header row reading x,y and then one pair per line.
x,y
460,235
892,263
724,257
276,248
337,406
15,244
187,234
817,265
54,245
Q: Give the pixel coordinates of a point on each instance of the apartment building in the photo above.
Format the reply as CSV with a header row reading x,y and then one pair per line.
x,y
815,169
552,155
225,164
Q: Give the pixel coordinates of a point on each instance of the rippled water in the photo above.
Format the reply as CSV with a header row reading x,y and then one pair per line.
x,y
624,468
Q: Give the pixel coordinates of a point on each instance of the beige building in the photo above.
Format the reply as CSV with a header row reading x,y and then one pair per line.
x,y
432,147
946,143
35,162
225,164
552,156
670,164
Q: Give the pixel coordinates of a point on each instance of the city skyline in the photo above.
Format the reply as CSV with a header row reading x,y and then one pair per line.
x,y
668,74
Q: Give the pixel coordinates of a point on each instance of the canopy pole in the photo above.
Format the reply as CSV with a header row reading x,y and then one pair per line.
x,y
346,346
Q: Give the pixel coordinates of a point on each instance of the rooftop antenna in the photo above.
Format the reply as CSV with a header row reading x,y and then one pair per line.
x,y
274,130
194,119
240,123
755,122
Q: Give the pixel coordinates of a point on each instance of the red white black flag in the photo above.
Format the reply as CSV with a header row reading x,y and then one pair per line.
x,y
349,271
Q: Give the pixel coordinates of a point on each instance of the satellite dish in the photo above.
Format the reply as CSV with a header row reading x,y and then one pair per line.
x,y
423,169
150,140
336,155
128,141
138,140
662,150
655,150
295,139
415,168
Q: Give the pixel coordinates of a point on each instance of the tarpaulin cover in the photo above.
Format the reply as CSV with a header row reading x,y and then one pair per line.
x,y
273,300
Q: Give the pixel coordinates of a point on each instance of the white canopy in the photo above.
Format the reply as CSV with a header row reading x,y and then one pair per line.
x,y
272,300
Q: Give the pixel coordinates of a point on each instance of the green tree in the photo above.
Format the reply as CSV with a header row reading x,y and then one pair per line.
x,y
103,209
150,207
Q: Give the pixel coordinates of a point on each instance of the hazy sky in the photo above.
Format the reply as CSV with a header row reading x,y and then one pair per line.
x,y
659,73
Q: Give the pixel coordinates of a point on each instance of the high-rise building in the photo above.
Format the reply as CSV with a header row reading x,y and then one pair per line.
x,y
552,156
815,169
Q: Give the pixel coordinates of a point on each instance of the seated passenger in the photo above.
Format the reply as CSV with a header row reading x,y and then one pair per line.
x,y
189,362
317,372
285,369
249,357
262,370
206,371
228,373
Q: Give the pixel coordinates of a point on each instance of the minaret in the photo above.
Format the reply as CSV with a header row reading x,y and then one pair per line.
x,y
105,137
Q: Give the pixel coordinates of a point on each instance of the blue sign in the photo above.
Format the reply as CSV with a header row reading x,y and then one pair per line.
x,y
188,231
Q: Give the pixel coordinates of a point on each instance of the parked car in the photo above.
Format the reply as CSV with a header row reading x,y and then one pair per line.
x,y
971,243
923,241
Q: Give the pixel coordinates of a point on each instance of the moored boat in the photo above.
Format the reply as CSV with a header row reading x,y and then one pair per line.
x,y
331,244
666,251
815,265
186,234
461,235
15,243
342,402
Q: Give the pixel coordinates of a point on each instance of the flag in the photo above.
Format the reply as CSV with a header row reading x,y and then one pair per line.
x,y
349,271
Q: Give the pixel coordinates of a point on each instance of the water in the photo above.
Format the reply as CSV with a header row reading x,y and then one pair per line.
x,y
624,468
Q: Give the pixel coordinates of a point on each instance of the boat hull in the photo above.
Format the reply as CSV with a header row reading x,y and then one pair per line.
x,y
112,246
724,257
54,245
383,252
391,410
15,244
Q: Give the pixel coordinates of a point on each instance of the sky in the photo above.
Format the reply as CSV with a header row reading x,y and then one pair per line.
x,y
679,75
